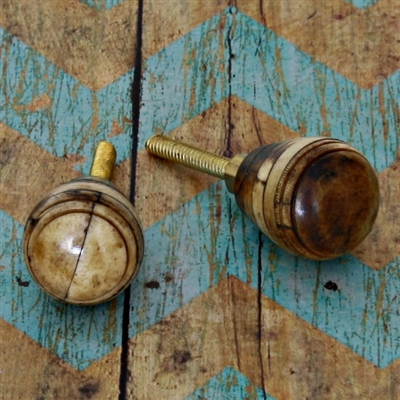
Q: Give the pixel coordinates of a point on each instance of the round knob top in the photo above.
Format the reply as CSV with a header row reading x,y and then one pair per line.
x,y
335,203
83,242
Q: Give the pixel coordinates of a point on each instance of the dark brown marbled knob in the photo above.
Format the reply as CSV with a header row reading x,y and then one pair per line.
x,y
314,197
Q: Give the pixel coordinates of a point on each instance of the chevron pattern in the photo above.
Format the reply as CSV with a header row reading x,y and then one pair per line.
x,y
216,311
188,350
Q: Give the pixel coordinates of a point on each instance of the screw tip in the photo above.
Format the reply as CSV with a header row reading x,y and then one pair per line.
x,y
103,160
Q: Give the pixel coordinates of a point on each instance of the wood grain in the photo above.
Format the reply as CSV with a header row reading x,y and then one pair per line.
x,y
29,371
96,47
337,34
214,300
24,183
163,25
223,327
220,328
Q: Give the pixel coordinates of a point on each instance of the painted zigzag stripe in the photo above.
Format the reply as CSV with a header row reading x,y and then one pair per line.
x,y
55,111
166,362
93,53
219,241
277,351
94,46
266,71
389,87
272,75
107,4
361,314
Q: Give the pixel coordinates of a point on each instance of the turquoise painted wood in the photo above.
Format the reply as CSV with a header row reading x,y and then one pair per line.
x,y
75,119
229,385
362,4
71,117
102,4
305,86
208,238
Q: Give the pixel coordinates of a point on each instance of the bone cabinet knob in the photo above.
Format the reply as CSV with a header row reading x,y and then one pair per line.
x,y
314,197
83,242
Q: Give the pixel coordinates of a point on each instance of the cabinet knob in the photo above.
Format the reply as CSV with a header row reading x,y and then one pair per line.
x,y
314,197
83,242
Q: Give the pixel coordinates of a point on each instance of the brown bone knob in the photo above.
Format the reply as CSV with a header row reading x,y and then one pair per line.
x,y
314,197
83,242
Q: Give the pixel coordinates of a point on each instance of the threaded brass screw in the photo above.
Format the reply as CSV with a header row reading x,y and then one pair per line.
x,y
200,160
187,155
103,161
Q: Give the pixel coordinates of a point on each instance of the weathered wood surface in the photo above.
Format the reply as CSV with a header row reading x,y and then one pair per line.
x,y
216,311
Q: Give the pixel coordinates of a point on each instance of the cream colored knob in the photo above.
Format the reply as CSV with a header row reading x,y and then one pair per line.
x,y
83,242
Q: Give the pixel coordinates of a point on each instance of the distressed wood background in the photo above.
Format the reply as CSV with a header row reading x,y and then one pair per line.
x,y
216,311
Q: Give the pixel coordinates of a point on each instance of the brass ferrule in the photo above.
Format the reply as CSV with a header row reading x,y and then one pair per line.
x,y
103,161
231,171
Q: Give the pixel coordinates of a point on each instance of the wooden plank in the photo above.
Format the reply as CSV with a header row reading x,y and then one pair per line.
x,y
272,75
275,350
338,33
30,371
95,45
163,25
217,310
50,123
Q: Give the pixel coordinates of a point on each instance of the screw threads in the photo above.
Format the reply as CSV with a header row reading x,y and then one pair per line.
x,y
103,161
187,155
